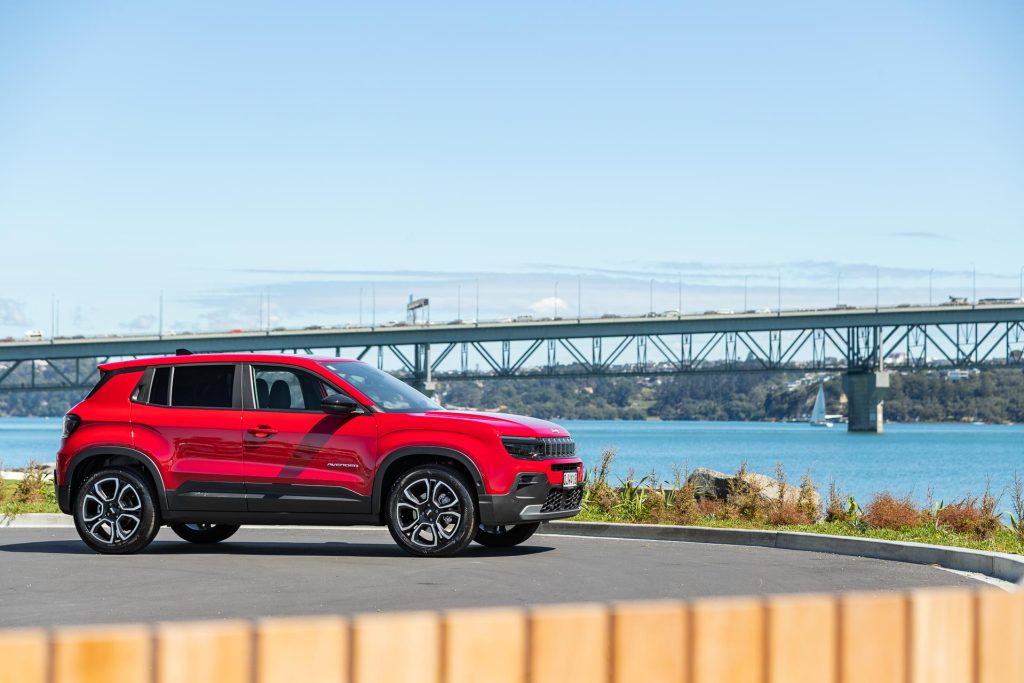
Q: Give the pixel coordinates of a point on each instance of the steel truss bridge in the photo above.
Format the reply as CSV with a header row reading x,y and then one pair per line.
x,y
846,340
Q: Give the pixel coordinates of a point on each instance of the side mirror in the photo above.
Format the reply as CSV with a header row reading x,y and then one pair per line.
x,y
338,404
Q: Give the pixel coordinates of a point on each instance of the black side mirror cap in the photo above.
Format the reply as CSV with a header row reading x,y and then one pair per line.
x,y
339,404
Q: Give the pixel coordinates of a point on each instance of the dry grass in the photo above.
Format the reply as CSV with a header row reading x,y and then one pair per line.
x,y
746,497
836,509
972,517
788,514
32,488
885,511
1017,501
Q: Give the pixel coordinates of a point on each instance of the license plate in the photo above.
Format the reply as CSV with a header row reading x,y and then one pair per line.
x,y
570,480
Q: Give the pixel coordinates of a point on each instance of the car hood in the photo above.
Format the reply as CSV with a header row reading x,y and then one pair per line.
x,y
504,423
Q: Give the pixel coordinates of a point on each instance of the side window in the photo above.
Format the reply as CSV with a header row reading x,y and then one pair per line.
x,y
201,386
161,383
280,388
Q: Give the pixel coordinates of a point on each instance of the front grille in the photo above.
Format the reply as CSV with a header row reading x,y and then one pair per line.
x,y
560,499
540,448
559,447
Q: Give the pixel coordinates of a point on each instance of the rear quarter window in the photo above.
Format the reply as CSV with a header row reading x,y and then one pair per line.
x,y
202,386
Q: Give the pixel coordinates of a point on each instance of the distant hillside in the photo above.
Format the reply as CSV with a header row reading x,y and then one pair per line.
x,y
990,396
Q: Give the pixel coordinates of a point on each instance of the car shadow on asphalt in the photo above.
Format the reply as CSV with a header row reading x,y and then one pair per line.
x,y
284,549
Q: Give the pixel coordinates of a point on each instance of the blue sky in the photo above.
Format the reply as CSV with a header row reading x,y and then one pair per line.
x,y
217,151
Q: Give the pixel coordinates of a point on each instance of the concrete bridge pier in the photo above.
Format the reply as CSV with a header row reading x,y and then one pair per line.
x,y
865,393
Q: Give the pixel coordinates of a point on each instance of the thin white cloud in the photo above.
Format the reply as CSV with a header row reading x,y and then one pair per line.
x,y
12,312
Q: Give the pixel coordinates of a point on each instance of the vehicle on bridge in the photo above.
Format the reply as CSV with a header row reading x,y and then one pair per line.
x,y
205,443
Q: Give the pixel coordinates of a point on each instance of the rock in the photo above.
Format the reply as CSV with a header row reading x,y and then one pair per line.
x,y
711,484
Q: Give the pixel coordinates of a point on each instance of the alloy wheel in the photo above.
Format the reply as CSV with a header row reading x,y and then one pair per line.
x,y
429,512
112,510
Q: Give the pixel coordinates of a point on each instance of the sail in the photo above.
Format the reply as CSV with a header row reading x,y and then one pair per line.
x,y
818,412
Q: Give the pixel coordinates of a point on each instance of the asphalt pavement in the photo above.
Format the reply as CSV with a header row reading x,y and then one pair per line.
x,y
49,577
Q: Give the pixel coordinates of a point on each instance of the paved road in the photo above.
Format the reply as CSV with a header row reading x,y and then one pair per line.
x,y
48,577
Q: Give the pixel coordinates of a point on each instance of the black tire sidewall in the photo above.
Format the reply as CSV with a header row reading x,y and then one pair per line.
x,y
514,536
468,523
219,532
149,523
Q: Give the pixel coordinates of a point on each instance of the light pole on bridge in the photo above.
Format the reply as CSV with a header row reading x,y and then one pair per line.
x,y
931,271
974,285
779,310
839,282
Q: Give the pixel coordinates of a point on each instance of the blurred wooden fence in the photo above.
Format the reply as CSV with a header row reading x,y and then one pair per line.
x,y
920,637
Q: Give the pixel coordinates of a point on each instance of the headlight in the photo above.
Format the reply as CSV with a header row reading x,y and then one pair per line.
x,y
523,447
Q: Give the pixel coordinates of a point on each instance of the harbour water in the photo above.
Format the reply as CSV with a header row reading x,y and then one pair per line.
x,y
952,459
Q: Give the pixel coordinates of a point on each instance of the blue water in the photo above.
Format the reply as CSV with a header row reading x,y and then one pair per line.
x,y
908,458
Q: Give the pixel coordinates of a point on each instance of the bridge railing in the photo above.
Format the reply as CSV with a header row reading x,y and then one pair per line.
x,y
924,636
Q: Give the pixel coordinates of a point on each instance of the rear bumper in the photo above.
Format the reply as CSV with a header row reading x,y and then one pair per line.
x,y
63,496
532,499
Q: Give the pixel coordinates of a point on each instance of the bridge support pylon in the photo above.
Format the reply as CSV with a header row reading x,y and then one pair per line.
x,y
865,393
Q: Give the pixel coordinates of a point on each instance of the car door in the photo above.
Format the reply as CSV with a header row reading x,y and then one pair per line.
x,y
189,418
298,458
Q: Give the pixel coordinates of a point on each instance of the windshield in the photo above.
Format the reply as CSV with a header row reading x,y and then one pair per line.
x,y
388,393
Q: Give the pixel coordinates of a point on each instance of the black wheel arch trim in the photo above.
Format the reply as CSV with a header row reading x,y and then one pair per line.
x,y
411,451
138,456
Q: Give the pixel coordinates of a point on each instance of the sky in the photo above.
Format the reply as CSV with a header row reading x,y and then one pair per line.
x,y
308,160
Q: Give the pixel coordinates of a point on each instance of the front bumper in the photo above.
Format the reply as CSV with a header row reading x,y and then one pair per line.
x,y
532,499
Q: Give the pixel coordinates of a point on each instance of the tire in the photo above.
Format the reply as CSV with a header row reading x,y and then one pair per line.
x,y
115,511
430,512
504,536
204,533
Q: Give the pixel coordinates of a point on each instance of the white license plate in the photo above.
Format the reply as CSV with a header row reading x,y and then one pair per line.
x,y
570,480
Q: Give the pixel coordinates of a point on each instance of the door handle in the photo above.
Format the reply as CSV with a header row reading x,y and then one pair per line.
x,y
262,431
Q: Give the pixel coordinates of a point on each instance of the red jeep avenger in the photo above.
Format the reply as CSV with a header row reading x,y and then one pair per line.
x,y
205,443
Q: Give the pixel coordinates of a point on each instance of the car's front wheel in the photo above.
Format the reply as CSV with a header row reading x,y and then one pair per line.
x,y
504,536
115,512
202,532
430,512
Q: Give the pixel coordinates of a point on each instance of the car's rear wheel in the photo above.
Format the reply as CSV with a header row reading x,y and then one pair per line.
x,y
203,532
115,512
504,536
430,512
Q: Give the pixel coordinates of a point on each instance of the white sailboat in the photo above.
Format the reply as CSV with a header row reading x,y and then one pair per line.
x,y
818,417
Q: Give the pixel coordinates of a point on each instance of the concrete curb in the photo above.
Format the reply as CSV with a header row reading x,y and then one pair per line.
x,y
1003,566
37,520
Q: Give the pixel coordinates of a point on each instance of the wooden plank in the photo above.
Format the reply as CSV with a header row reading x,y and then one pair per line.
x,y
485,645
100,654
1000,636
801,634
310,650
649,642
569,643
942,633
873,638
24,656
204,652
394,648
728,641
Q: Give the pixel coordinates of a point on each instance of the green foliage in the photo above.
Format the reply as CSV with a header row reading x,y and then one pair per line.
x,y
34,493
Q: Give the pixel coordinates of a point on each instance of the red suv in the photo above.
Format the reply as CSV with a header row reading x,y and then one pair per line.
x,y
205,443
